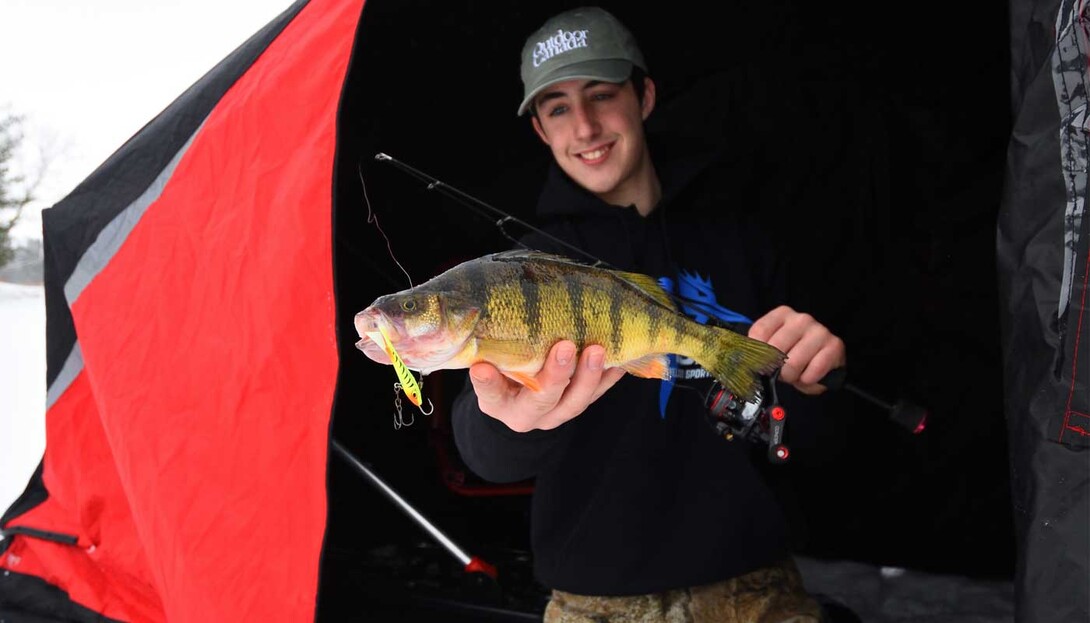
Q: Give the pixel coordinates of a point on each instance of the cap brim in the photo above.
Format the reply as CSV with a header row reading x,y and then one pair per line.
x,y
609,70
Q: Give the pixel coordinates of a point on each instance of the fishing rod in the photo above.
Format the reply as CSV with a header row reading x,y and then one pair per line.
x,y
737,415
489,212
483,209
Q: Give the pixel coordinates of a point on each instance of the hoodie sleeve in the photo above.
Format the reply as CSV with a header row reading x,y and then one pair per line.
x,y
492,450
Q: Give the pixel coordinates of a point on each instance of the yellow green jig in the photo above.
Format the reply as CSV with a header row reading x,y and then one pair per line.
x,y
409,384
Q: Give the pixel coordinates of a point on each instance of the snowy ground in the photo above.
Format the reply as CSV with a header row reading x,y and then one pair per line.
x,y
22,386
874,594
894,595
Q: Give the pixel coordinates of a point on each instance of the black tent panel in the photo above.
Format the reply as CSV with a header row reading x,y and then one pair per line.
x,y
1043,247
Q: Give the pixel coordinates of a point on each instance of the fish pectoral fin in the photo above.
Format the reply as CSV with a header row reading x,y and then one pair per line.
x,y
649,367
504,353
523,378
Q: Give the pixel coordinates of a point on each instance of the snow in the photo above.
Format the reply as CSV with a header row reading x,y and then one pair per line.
x,y
22,386
877,594
87,76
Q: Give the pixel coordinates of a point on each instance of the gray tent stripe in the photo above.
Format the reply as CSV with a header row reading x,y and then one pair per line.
x,y
72,367
112,236
1071,81
104,247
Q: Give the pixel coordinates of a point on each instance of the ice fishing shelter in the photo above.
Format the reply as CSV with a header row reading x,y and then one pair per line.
x,y
200,287
192,352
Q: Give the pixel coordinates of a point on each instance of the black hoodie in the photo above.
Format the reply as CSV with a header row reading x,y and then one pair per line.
x,y
631,498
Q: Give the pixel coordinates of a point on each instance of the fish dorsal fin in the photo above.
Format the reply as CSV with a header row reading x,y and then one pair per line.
x,y
520,255
649,286
644,283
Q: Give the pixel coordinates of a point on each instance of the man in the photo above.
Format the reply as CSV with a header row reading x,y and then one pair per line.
x,y
638,505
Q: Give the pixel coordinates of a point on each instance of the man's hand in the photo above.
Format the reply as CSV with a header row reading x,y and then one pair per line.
x,y
568,385
812,350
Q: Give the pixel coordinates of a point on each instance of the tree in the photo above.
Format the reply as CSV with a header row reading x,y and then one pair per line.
x,y
15,194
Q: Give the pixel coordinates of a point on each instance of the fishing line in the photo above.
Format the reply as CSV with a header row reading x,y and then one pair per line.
x,y
372,217
413,388
906,414
481,208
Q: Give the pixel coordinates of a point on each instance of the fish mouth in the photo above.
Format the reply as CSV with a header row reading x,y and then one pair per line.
x,y
366,321
370,325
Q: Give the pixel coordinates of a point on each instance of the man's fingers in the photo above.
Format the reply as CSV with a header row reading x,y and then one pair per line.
x,y
559,364
580,392
812,366
484,377
518,406
801,351
568,385
765,326
609,379
812,350
827,359
491,387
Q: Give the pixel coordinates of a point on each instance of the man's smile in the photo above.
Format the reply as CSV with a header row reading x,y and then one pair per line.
x,y
595,155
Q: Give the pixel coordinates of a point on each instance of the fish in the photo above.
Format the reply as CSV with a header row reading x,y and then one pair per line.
x,y
509,308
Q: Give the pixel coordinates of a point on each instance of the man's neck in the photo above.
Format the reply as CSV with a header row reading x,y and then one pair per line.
x,y
643,191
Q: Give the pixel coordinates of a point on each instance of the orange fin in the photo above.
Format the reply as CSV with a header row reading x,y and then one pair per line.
x,y
525,379
649,367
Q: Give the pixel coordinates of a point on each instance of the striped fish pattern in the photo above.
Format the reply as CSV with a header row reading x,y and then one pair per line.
x,y
510,308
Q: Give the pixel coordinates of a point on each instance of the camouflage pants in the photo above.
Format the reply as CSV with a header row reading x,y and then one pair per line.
x,y
770,595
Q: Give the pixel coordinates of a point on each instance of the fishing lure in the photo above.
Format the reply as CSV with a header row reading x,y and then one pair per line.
x,y
408,382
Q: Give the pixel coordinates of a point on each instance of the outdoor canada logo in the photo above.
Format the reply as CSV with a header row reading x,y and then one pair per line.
x,y
562,41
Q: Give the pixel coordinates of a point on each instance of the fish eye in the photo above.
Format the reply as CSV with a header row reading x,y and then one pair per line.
x,y
408,305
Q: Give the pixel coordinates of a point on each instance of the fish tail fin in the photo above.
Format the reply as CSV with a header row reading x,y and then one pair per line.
x,y
736,361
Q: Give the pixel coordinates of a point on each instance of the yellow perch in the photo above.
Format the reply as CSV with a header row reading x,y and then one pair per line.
x,y
510,308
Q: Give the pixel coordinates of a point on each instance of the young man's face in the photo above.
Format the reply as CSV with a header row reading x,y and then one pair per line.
x,y
595,131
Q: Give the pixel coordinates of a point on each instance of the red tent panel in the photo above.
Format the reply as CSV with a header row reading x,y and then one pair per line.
x,y
189,456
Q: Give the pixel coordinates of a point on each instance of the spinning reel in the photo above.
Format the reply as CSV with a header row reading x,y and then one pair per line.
x,y
762,419
759,420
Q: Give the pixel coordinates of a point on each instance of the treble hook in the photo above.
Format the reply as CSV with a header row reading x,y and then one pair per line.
x,y
399,418
431,408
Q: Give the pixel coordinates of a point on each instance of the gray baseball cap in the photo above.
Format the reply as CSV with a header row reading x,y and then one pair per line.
x,y
587,43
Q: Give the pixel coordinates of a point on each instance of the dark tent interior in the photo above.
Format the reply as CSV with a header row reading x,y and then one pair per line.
x,y
876,149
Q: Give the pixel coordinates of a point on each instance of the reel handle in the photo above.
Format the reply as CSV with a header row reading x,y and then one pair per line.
x,y
777,451
907,415
835,379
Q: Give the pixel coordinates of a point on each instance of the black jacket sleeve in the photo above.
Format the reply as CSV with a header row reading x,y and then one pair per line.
x,y
491,449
